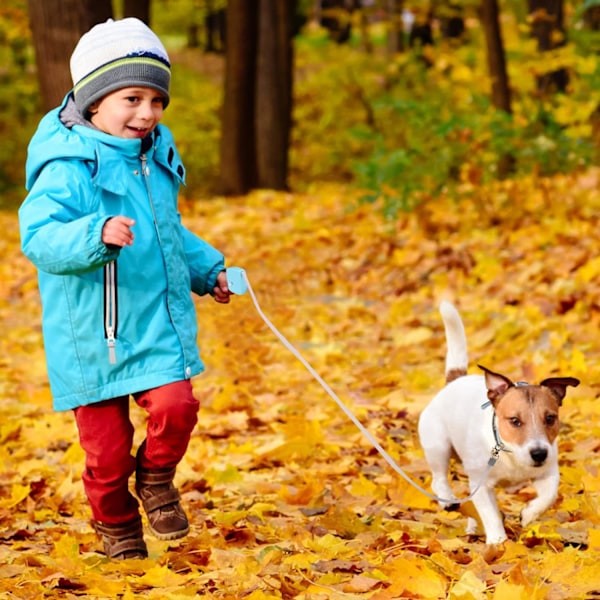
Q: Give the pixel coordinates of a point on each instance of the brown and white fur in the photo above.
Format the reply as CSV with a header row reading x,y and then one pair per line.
x,y
474,414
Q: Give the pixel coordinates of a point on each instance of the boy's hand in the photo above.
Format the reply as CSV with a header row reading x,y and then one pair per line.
x,y
221,291
117,231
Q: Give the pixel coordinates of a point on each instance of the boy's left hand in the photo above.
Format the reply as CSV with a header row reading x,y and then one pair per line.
x,y
221,291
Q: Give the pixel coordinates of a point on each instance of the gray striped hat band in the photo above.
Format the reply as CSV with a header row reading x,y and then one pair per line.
x,y
131,71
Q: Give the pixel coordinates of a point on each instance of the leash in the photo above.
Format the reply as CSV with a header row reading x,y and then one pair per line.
x,y
239,284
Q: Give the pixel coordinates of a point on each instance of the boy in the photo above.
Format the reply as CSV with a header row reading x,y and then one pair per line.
x,y
116,268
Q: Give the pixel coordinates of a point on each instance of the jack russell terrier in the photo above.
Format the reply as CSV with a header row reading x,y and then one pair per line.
x,y
488,419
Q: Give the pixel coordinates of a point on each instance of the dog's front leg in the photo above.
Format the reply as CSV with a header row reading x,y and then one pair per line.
x,y
547,491
491,519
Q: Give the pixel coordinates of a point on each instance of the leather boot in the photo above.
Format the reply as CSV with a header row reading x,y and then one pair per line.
x,y
124,540
161,501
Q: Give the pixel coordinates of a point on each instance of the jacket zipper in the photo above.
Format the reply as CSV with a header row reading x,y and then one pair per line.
x,y
110,309
145,174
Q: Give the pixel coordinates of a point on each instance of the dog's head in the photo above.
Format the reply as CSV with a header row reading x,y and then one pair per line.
x,y
527,415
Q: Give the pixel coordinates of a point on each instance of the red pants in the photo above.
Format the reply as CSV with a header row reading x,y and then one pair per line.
x,y
106,436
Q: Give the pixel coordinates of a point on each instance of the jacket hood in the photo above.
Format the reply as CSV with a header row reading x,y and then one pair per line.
x,y
64,134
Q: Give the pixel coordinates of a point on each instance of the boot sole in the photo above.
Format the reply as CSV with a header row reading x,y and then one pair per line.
x,y
172,535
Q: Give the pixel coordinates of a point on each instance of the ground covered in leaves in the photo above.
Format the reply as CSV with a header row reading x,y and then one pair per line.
x,y
287,498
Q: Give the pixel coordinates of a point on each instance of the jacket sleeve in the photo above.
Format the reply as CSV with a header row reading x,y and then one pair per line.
x,y
205,262
61,232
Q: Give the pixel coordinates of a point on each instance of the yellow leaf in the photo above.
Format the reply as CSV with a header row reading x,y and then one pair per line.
x,y
402,493
160,577
228,475
469,587
365,487
594,539
414,336
18,493
510,591
415,577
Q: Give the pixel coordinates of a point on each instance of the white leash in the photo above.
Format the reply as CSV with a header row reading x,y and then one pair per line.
x,y
238,283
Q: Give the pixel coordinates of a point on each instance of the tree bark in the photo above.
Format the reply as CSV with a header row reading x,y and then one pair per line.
x,y
257,105
501,97
56,26
547,27
137,8
496,58
395,34
274,92
238,139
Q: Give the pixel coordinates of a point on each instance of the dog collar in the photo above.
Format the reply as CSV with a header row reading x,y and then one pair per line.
x,y
499,447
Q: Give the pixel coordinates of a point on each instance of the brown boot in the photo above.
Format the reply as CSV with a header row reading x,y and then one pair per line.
x,y
160,499
124,540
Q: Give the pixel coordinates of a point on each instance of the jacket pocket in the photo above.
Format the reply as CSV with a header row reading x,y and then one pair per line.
x,y
110,309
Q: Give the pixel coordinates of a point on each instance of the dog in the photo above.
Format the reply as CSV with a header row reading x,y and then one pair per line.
x,y
487,418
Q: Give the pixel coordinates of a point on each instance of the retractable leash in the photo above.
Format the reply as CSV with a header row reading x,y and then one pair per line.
x,y
239,284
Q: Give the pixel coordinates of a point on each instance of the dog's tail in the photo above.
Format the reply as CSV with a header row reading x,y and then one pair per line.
x,y
457,360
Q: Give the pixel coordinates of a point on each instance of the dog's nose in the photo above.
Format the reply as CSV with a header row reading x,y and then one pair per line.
x,y
539,455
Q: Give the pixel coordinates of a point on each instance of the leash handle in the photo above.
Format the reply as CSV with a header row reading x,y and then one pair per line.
x,y
239,283
236,280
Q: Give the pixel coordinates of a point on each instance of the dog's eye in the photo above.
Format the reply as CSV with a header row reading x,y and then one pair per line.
x,y
551,420
515,422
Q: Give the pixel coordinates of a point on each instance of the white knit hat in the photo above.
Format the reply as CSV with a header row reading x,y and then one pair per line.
x,y
118,54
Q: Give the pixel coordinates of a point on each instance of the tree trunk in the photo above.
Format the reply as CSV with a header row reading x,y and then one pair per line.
x,y
56,26
495,55
257,105
547,27
237,151
274,92
395,34
137,8
496,60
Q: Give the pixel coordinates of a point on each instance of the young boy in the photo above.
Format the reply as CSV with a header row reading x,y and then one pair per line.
x,y
116,271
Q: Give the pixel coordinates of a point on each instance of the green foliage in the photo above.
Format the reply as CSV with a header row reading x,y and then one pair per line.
x,y
405,128
18,101
193,117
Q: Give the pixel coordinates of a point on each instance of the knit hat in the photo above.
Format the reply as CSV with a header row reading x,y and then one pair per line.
x,y
118,54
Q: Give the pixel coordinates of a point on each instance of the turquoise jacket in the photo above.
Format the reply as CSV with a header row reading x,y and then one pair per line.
x,y
115,321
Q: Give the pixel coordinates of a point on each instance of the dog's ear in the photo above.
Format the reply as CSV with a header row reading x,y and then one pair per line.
x,y
558,386
496,384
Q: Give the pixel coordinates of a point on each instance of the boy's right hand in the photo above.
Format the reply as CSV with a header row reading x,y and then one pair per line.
x,y
117,231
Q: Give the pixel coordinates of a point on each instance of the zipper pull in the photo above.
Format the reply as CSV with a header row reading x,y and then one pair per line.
x,y
111,343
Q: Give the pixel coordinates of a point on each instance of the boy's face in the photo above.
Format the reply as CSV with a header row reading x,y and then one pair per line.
x,y
131,112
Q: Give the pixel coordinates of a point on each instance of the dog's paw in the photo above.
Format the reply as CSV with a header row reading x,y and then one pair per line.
x,y
497,537
528,515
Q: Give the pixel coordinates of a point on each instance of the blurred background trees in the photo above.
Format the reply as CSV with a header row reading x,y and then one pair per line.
x,y
400,98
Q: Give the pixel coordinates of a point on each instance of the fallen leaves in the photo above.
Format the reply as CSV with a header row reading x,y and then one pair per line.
x,y
287,499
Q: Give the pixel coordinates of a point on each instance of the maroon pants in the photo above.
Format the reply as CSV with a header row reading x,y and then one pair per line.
x,y
106,436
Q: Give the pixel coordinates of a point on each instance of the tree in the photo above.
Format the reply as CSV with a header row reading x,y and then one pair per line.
x,y
137,8
547,27
274,83
56,26
238,139
496,60
257,103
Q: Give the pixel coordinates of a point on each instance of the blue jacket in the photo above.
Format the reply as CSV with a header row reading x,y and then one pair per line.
x,y
115,321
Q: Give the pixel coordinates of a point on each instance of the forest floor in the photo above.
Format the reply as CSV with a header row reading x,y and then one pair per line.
x,y
286,497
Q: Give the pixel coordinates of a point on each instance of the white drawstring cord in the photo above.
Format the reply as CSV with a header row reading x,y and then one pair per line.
x,y
238,284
